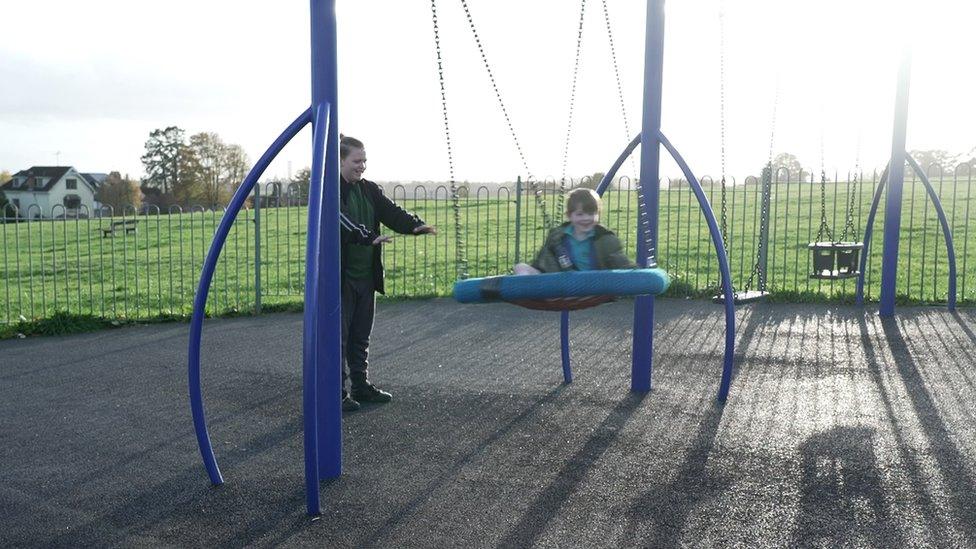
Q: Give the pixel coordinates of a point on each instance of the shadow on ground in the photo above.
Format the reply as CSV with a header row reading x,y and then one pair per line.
x,y
841,430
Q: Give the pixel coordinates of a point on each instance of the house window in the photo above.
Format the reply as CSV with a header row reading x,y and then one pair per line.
x,y
72,201
17,203
72,184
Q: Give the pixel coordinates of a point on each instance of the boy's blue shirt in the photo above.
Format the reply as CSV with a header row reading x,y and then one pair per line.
x,y
603,251
580,250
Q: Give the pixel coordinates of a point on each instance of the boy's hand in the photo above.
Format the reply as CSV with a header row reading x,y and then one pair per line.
x,y
382,239
425,229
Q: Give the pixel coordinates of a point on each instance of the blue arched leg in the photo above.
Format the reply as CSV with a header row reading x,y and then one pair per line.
x,y
723,261
203,289
943,221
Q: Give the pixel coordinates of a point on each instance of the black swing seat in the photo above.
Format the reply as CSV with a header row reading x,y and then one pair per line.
x,y
835,260
743,298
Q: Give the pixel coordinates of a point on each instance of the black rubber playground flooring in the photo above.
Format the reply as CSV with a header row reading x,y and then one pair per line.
x,y
842,430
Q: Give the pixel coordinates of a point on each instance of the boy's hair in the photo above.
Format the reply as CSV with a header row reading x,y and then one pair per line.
x,y
585,199
347,144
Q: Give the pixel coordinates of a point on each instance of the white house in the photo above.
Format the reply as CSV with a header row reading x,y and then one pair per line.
x,y
46,191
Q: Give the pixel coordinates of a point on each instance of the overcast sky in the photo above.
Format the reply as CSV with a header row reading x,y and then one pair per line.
x,y
85,82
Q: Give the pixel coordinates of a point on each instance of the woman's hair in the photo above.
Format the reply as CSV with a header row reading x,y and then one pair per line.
x,y
585,199
347,144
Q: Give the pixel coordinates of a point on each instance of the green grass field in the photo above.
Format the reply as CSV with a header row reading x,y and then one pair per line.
x,y
68,266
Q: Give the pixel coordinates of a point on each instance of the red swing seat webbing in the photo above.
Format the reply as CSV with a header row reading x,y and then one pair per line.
x,y
564,303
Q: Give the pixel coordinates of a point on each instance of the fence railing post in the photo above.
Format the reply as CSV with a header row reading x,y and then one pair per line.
x,y
257,248
518,216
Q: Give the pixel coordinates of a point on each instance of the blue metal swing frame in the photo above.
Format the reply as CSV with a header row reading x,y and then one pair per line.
x,y
321,360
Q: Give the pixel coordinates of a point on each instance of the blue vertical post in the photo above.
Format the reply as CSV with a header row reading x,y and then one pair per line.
x,y
640,379
896,180
328,332
564,346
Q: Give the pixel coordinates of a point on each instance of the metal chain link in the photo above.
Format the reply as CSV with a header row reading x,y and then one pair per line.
x,y
725,215
643,220
772,125
620,88
533,184
824,228
767,183
849,227
460,254
645,226
721,117
572,104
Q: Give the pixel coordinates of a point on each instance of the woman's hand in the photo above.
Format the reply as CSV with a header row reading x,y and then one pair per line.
x,y
425,229
382,239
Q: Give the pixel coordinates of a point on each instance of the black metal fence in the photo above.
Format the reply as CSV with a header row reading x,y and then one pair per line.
x,y
138,265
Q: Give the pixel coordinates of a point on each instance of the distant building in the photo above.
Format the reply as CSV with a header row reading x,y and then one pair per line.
x,y
96,179
48,191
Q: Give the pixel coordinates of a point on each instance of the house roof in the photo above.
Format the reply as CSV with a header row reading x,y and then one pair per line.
x,y
95,179
52,173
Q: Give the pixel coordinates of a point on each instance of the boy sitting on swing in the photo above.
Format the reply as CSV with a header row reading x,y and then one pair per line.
x,y
579,244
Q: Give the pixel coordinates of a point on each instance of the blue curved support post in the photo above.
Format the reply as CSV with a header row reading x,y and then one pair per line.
x,y
322,364
723,260
648,191
311,402
203,289
893,201
943,221
868,233
946,233
723,267
564,346
612,172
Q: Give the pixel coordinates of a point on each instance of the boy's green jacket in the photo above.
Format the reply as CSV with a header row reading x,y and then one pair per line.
x,y
607,251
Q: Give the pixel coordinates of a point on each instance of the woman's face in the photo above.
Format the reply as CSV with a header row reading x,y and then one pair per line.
x,y
352,166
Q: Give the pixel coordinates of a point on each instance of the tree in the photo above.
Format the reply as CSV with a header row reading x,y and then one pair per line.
x,y
119,192
968,160
932,160
208,151
5,176
191,189
592,181
302,179
212,169
162,159
784,163
237,164
791,164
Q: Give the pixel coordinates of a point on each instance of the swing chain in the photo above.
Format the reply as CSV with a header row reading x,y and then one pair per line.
x,y
850,202
533,184
824,227
572,104
767,183
460,255
620,88
721,117
850,211
725,215
645,227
